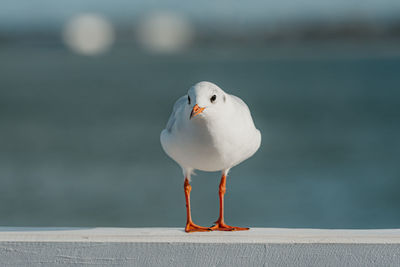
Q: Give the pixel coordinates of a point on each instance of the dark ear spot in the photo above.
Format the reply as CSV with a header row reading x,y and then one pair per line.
x,y
224,97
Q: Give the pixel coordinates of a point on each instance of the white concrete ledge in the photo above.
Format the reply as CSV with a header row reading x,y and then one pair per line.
x,y
172,246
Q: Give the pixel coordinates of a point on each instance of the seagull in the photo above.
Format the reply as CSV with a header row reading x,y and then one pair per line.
x,y
209,130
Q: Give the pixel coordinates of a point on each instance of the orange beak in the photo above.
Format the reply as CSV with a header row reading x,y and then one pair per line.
x,y
196,111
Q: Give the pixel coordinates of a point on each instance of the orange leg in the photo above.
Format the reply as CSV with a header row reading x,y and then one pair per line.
x,y
190,226
220,223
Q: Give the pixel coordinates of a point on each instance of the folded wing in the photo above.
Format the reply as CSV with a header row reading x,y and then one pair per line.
x,y
179,104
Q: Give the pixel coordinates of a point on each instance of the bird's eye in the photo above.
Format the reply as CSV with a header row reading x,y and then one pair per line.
x,y
213,98
189,100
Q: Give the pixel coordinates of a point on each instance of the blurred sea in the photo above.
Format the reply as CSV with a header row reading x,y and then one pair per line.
x,y
79,136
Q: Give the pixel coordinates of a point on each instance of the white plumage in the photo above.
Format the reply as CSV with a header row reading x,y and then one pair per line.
x,y
209,130
220,137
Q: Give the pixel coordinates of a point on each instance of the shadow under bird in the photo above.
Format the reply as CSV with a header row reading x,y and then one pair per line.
x,y
209,130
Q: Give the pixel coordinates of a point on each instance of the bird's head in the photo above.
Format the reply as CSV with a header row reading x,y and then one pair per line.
x,y
205,97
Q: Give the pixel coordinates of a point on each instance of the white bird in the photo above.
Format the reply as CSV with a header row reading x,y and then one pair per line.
x,y
209,130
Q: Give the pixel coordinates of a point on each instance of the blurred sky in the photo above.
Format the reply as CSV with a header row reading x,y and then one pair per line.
x,y
50,14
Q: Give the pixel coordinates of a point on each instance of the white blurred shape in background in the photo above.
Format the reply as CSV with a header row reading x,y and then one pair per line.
x,y
164,32
88,34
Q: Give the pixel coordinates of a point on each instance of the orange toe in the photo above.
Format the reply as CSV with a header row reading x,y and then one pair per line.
x,y
224,227
191,227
